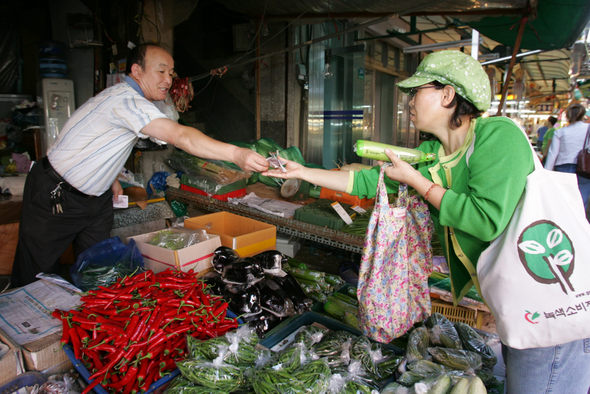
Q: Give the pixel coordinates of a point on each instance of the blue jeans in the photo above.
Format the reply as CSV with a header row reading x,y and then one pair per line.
x,y
561,369
583,182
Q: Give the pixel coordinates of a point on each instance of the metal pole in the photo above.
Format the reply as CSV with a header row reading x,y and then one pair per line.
x,y
258,131
511,66
474,44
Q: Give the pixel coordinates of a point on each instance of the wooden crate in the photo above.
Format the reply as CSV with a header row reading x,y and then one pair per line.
x,y
456,314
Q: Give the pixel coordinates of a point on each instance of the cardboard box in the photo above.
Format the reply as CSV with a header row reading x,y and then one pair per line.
x,y
9,237
196,257
26,320
11,363
46,354
246,236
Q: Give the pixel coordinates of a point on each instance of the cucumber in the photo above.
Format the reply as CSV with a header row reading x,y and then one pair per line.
x,y
345,298
307,274
476,386
461,386
334,309
334,280
351,319
337,308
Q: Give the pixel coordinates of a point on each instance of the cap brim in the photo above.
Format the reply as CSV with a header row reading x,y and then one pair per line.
x,y
413,82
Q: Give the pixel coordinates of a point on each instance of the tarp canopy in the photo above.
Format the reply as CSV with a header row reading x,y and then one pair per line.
x,y
556,25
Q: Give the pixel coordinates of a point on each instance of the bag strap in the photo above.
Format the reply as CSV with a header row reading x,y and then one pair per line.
x,y
587,140
402,194
536,161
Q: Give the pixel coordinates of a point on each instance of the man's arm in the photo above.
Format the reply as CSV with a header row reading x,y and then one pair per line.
x,y
198,144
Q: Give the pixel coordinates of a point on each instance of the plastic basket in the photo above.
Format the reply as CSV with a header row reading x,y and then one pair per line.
x,y
27,379
457,314
81,368
286,329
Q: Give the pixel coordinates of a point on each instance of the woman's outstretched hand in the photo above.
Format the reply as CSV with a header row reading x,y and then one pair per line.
x,y
290,169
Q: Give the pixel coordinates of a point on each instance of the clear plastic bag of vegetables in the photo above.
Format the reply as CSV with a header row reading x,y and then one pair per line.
x,y
476,343
372,355
181,385
419,370
310,335
236,348
175,238
312,377
352,381
330,343
215,375
241,349
462,360
442,331
417,346
291,358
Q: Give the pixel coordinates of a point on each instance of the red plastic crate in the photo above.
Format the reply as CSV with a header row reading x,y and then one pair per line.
x,y
221,197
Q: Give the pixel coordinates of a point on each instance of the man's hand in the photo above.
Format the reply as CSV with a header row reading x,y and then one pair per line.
x,y
116,189
249,160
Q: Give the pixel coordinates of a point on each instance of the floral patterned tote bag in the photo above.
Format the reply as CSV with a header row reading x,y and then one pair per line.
x,y
393,289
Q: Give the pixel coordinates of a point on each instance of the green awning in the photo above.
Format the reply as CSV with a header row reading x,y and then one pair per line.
x,y
558,24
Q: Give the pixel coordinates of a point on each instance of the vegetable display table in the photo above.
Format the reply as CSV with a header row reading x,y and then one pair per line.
x,y
296,228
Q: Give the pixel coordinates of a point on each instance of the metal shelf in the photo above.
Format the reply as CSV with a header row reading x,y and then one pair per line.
x,y
296,228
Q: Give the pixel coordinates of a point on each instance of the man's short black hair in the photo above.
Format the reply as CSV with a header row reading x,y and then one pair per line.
x,y
137,56
552,120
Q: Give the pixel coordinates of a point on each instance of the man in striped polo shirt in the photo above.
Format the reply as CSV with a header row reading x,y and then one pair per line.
x,y
68,195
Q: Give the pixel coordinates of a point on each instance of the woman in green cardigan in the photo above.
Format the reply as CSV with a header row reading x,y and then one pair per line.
x,y
473,188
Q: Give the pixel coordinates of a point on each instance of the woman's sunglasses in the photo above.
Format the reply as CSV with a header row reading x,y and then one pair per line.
x,y
413,91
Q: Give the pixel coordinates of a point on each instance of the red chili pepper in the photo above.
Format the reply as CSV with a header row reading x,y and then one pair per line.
x,y
75,342
92,385
129,377
65,335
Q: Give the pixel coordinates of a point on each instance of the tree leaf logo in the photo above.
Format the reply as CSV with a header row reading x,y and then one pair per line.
x,y
547,254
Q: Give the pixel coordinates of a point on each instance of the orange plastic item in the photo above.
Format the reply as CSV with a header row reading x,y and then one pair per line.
x,y
346,198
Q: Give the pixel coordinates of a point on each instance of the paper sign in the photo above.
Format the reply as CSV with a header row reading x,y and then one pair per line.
x,y
341,212
121,202
358,209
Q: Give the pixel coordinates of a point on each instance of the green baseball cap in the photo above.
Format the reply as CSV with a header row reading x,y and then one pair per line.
x,y
457,69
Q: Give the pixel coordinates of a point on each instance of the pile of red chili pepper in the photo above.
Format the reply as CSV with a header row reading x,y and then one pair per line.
x,y
132,333
182,93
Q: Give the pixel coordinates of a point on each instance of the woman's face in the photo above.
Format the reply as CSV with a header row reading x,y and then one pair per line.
x,y
425,102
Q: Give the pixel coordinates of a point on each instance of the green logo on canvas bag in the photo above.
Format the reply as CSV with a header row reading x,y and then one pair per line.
x,y
547,254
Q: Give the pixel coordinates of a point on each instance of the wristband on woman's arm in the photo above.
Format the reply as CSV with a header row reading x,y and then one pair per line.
x,y
429,190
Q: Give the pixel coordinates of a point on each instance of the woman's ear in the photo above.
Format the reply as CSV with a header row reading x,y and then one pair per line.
x,y
448,95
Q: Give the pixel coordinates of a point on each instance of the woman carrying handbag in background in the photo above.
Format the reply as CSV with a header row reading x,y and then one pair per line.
x,y
473,189
565,146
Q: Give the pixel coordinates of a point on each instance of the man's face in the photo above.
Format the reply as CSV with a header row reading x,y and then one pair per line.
x,y
155,78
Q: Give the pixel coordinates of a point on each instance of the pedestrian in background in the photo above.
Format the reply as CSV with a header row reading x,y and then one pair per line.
x,y
566,144
548,136
541,133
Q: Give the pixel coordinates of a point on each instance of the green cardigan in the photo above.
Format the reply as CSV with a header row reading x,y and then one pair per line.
x,y
482,193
